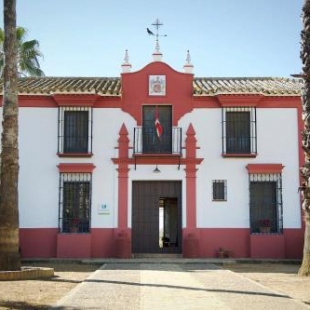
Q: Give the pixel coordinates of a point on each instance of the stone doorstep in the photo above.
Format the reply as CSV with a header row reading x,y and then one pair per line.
x,y
167,259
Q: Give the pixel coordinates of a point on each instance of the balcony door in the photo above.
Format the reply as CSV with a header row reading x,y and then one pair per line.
x,y
157,138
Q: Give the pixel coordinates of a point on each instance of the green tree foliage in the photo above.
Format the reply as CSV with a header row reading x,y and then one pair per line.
x,y
28,54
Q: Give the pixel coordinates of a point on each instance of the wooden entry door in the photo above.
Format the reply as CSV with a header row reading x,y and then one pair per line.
x,y
148,199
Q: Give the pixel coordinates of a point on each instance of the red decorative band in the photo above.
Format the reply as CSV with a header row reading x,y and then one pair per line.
x,y
75,100
264,168
76,168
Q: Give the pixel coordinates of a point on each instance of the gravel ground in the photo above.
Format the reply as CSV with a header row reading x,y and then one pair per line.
x,y
41,294
279,277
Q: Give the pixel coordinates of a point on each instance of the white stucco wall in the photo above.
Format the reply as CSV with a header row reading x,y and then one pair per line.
x,y
279,143
39,177
277,136
107,124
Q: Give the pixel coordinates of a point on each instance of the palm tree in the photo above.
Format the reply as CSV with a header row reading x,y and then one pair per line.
x,y
27,54
305,171
9,220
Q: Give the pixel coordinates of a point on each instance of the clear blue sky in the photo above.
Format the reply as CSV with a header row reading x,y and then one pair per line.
x,y
225,37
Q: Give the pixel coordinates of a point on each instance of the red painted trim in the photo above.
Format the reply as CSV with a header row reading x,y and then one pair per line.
x,y
192,101
267,246
75,155
190,170
294,242
239,155
123,196
75,168
264,168
109,102
38,242
300,123
74,245
280,102
239,100
162,159
179,89
200,102
289,245
44,101
123,142
123,170
101,242
266,102
122,243
75,99
194,161
159,160
33,101
235,240
190,244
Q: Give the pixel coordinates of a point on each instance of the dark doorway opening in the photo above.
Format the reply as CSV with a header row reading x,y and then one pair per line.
x,y
168,222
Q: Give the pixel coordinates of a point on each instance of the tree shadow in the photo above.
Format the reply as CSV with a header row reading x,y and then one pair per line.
x,y
20,305
262,268
188,288
63,266
160,266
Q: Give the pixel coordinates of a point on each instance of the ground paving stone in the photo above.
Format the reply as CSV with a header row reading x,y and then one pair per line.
x,y
145,286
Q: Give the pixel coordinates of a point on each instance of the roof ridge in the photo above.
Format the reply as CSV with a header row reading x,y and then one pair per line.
x,y
247,78
202,86
68,77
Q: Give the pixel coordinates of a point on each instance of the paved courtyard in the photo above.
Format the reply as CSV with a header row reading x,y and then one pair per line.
x,y
134,286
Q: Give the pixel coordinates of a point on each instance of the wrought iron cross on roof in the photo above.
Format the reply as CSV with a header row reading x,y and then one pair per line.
x,y
157,24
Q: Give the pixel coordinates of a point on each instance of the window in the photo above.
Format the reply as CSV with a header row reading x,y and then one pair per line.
x,y
157,135
239,131
219,190
155,141
75,202
266,214
75,130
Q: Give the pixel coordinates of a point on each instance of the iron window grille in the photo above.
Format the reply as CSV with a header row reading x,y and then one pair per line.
x,y
75,202
219,190
266,206
239,134
75,130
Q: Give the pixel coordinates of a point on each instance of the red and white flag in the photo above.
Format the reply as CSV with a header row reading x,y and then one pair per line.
x,y
159,128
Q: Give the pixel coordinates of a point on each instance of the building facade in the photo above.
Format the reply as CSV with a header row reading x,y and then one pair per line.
x,y
158,161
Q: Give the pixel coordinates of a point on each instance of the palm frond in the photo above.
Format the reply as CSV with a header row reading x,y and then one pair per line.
x,y
28,53
21,34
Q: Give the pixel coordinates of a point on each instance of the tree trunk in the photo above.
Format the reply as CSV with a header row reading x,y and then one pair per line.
x,y
305,171
304,270
9,219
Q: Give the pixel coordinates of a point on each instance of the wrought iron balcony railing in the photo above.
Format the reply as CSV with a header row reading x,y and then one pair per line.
x,y
146,141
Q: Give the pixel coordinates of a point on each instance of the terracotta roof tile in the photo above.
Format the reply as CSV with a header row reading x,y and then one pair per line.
x,y
265,86
201,86
69,85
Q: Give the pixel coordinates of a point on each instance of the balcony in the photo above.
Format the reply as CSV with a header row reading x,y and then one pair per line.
x,y
147,145
146,141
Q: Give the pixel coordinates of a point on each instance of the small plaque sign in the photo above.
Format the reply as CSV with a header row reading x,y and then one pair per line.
x,y
103,208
